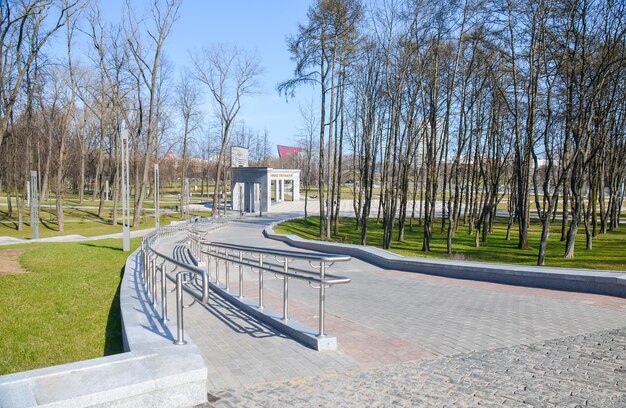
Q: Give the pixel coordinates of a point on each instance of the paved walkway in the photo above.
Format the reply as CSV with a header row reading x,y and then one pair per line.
x,y
4,240
411,339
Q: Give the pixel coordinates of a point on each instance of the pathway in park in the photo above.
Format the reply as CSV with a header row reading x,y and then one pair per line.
x,y
411,339
4,240
346,208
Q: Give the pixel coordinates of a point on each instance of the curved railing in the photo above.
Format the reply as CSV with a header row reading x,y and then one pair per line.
x,y
257,260
196,281
155,274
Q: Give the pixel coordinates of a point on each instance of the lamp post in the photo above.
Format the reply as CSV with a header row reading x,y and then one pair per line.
x,y
125,192
34,204
186,199
157,219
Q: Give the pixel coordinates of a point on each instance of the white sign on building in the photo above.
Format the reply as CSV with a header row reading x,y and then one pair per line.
x,y
238,156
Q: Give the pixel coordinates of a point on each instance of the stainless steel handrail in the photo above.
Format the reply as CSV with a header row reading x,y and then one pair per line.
x,y
150,258
318,256
317,278
271,267
155,270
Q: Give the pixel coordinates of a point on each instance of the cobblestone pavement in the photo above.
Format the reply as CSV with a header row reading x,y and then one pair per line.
x,y
409,339
575,371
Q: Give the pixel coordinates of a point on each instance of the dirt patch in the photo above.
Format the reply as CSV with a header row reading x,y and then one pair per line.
x,y
10,261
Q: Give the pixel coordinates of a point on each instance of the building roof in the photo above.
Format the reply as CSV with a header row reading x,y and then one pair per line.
x,y
285,151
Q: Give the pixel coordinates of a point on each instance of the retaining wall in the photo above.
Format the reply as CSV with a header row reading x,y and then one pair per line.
x,y
153,372
612,283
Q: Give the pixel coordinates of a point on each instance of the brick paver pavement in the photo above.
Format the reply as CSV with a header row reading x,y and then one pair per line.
x,y
574,371
406,338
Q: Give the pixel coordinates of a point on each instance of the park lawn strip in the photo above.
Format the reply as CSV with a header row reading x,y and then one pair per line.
x,y
66,308
607,250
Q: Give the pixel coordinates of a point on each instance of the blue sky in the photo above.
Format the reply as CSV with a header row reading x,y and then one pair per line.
x,y
260,26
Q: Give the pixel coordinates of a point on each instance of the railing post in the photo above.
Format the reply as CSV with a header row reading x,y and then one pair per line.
x,y
154,279
145,269
208,262
227,266
205,287
261,281
151,276
180,331
217,271
240,275
216,264
146,274
163,293
286,291
322,299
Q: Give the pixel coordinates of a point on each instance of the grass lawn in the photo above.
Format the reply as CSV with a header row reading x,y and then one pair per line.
x,y
608,250
65,308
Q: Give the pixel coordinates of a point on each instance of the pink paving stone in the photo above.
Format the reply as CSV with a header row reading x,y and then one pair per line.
x,y
603,301
374,348
369,347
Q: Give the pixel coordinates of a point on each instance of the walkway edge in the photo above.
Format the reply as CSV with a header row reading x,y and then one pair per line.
x,y
601,282
152,372
292,328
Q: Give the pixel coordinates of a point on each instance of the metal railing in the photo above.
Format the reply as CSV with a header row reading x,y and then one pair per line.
x,y
155,272
195,280
217,253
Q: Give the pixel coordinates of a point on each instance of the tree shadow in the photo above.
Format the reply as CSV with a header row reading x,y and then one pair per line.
x,y
113,336
47,225
101,246
91,216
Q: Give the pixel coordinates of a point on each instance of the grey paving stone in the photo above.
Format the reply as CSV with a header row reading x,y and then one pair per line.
x,y
495,346
471,379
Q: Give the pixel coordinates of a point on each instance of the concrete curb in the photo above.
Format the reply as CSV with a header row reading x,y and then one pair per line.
x,y
601,282
152,372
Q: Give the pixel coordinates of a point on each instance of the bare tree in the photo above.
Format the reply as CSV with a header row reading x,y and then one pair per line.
x,y
163,18
230,74
307,142
188,99
23,33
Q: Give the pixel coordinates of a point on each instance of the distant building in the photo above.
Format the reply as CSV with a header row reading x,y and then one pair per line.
x,y
286,151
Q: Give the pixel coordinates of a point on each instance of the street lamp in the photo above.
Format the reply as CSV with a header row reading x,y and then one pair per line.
x,y
125,192
186,199
157,219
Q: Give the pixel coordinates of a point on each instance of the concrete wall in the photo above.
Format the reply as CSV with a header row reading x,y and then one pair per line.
x,y
153,372
612,283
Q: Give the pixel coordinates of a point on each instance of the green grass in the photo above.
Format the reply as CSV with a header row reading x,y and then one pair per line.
x,y
66,308
607,250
